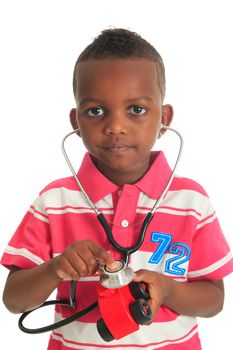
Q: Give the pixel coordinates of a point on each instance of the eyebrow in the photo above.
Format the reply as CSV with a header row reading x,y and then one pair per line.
x,y
100,101
90,99
140,98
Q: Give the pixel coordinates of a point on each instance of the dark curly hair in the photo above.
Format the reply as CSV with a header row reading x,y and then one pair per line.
x,y
120,43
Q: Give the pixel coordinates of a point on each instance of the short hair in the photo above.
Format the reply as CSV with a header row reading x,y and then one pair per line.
x,y
118,43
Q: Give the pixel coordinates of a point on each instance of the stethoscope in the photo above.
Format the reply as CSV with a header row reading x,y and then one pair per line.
x,y
126,252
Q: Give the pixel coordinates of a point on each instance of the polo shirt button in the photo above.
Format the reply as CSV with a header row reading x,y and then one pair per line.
x,y
124,223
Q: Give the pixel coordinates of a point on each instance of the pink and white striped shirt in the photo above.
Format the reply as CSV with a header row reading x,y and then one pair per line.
x,y
183,241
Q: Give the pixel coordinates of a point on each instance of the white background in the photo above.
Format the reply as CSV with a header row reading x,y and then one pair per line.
x,y
40,41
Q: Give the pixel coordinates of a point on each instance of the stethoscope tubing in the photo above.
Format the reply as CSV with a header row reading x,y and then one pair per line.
x,y
125,251
56,324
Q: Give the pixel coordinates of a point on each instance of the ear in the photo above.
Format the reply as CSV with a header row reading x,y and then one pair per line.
x,y
167,116
74,120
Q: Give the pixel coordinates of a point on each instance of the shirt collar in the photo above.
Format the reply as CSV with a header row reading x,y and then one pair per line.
x,y
93,181
98,186
156,178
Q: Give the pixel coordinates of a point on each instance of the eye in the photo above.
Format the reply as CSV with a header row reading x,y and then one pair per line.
x,y
137,110
95,112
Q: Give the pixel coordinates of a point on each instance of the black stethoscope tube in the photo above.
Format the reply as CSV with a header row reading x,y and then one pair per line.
x,y
56,324
125,251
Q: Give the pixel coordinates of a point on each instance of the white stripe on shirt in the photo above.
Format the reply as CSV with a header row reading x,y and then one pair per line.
x,y
25,253
211,268
38,215
147,337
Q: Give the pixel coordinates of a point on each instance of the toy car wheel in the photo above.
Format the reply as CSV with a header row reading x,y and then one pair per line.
x,y
139,290
140,311
104,331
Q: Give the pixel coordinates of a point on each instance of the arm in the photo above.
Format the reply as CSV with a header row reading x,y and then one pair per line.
x,y
199,298
29,288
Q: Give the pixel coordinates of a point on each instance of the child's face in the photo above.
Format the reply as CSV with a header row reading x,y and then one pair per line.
x,y
119,113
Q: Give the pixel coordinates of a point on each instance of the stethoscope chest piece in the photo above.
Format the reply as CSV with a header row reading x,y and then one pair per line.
x,y
117,278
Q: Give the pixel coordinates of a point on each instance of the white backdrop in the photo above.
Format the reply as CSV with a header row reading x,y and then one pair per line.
x,y
40,41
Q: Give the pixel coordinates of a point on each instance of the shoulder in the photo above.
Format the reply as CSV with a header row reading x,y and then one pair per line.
x,y
57,194
187,194
182,183
67,183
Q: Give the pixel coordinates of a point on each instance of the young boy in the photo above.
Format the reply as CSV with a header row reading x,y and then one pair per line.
x,y
119,86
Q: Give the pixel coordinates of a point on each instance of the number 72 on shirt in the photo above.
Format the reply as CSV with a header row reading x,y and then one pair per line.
x,y
180,253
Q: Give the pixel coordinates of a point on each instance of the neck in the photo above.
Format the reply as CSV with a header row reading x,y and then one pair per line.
x,y
126,176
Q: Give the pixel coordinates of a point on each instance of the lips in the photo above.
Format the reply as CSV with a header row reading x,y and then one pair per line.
x,y
117,147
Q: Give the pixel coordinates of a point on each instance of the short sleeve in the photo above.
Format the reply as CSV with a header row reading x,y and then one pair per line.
x,y
211,257
31,244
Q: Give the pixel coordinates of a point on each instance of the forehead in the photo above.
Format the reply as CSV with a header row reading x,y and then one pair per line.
x,y
117,76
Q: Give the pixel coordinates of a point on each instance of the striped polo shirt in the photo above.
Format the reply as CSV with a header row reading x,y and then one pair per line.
x,y
183,241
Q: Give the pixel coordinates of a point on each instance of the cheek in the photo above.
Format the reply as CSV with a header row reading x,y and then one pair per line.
x,y
150,134
156,130
89,137
86,140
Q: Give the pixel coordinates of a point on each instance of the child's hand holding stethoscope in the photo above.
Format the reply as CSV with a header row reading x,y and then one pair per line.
x,y
80,259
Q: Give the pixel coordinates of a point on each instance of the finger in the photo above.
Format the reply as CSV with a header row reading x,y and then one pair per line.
x,y
82,258
81,264
153,281
101,254
141,275
88,264
115,266
64,269
149,277
154,306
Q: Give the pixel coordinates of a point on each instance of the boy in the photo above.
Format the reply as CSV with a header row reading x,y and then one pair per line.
x,y
119,86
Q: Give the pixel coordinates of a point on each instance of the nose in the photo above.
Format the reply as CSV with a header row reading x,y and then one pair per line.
x,y
116,123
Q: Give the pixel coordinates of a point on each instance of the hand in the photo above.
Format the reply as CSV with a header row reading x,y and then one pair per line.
x,y
81,259
158,287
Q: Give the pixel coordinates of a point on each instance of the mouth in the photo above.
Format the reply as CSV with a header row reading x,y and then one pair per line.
x,y
117,148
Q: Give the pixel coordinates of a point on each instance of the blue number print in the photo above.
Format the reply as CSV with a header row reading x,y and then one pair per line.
x,y
181,250
164,239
